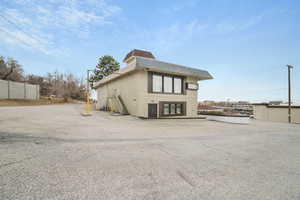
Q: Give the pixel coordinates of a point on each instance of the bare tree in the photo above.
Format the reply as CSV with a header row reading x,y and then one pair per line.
x,y
64,85
11,70
41,81
61,85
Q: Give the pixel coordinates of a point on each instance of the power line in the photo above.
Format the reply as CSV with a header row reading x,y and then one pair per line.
x,y
20,29
21,40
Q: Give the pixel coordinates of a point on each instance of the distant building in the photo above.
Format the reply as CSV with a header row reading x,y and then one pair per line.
x,y
242,106
275,102
206,108
239,107
208,103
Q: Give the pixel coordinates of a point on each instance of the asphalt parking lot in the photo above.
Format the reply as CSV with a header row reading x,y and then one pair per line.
x,y
52,152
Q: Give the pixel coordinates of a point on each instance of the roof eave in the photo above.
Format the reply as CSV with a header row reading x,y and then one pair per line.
x,y
155,66
165,67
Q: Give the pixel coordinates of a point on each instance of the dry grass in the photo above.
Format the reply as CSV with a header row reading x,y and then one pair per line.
x,y
41,101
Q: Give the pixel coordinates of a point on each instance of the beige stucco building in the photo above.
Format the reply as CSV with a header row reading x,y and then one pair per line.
x,y
149,88
276,113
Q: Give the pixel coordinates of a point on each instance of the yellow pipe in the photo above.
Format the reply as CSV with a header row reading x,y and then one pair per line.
x,y
87,106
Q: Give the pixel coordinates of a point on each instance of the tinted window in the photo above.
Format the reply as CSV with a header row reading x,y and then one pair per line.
x,y
157,83
177,85
178,108
173,107
166,109
168,84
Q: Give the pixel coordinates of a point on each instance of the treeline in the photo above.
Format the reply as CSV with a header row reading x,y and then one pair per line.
x,y
62,85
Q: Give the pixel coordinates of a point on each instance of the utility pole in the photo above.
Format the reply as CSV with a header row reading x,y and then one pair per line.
x,y
289,84
88,105
88,82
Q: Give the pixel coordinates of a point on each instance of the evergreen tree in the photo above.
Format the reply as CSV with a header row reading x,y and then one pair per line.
x,y
106,66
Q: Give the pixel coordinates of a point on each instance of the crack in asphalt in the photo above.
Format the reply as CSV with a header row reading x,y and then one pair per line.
x,y
185,178
15,162
16,137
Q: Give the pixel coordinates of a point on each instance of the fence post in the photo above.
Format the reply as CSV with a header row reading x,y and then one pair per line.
x,y
24,90
8,90
36,92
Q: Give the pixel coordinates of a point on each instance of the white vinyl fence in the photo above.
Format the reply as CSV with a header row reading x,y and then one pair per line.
x,y
17,90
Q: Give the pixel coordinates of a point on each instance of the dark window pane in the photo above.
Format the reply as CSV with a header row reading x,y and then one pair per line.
x,y
173,109
166,109
178,108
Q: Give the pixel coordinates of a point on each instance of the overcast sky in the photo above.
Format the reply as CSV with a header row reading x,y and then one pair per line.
x,y
244,44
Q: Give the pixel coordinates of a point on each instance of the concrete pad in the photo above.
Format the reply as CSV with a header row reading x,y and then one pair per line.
x,y
51,152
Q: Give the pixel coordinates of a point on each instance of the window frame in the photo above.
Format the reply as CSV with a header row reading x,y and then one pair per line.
x,y
163,75
169,103
182,84
163,82
160,83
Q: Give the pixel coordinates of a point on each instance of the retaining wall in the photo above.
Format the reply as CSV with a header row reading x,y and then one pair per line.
x,y
276,113
17,90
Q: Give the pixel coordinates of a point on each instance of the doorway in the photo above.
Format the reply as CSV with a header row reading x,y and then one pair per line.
x,y
152,111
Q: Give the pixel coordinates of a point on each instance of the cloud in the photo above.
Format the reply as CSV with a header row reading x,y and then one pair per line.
x,y
179,6
175,36
38,24
229,26
166,39
74,17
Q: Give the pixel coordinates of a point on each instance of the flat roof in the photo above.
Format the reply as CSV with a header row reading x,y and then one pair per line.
x,y
156,66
